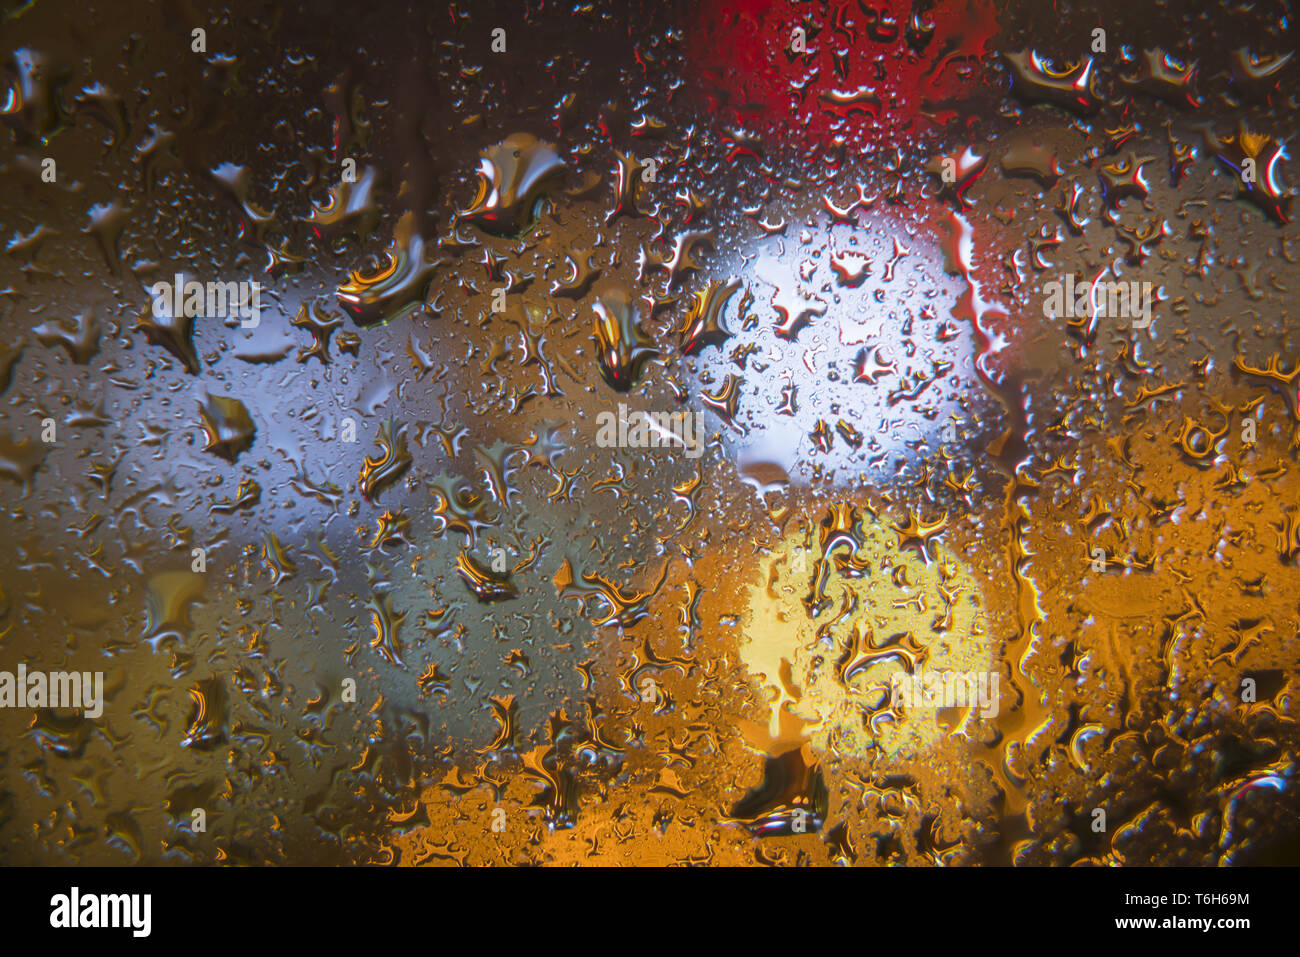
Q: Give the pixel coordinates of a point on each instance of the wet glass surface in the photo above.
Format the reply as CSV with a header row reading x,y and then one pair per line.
x,y
736,432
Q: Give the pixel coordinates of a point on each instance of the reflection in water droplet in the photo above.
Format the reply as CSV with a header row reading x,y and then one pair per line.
x,y
622,346
227,426
514,176
390,291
